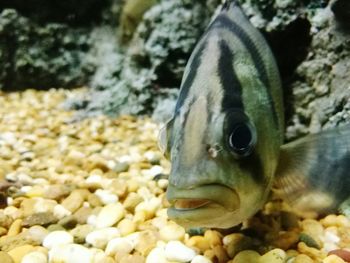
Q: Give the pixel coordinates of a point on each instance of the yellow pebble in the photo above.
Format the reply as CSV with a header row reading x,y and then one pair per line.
x,y
213,237
15,228
172,231
19,252
303,259
126,227
273,256
246,256
199,242
333,259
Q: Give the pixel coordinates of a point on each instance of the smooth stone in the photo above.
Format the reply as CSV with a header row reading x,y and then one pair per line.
x,y
68,222
60,211
177,251
119,246
74,201
99,238
146,241
94,200
37,234
157,255
15,228
57,238
5,220
57,192
80,232
110,215
203,259
5,257
55,227
70,253
3,231
172,231
19,252
273,256
82,214
42,219
126,227
34,257
246,256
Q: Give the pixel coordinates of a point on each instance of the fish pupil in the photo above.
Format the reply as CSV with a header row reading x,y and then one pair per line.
x,y
240,139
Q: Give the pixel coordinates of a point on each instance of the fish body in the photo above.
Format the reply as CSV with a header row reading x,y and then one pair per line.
x,y
225,138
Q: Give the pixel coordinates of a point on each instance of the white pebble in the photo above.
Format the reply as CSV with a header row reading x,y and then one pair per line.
x,y
60,211
157,255
44,205
70,253
94,179
200,259
177,251
57,238
91,220
110,215
100,238
331,237
119,246
106,196
34,257
98,256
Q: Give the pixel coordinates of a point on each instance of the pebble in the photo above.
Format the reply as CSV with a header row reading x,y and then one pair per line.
x,y
37,234
119,246
303,259
157,255
42,219
70,253
106,196
273,256
172,231
99,238
60,211
126,226
177,251
18,253
333,259
5,257
73,201
110,215
80,232
247,256
68,222
34,257
57,238
203,259
15,228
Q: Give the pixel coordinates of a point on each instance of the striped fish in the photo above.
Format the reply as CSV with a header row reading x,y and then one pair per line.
x,y
225,138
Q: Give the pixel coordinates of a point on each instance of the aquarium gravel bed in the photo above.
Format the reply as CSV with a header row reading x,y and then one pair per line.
x,y
94,191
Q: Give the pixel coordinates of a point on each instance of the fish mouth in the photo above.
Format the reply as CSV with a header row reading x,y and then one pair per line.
x,y
202,205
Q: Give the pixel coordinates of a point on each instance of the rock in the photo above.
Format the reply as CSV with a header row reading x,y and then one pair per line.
x,y
5,257
303,259
177,251
70,253
110,215
342,253
74,201
203,259
199,242
15,228
106,196
94,200
55,227
34,257
333,259
99,238
146,241
157,255
57,192
80,232
60,211
82,214
126,227
246,256
5,220
37,234
237,242
274,256
133,258
68,222
131,201
120,167
42,219
119,246
3,231
172,231
19,252
56,238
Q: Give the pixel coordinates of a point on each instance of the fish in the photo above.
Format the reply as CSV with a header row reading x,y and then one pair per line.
x,y
225,140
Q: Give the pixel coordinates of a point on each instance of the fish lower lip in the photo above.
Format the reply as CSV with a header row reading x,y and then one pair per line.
x,y
189,204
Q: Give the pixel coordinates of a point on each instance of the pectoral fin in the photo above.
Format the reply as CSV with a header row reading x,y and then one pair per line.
x,y
314,172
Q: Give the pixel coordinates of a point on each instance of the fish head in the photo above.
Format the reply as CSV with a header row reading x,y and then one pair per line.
x,y
223,140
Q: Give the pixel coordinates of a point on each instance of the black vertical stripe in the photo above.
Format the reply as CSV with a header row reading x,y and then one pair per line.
x,y
196,62
231,85
224,22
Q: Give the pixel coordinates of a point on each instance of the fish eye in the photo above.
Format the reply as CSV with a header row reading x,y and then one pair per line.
x,y
241,139
240,133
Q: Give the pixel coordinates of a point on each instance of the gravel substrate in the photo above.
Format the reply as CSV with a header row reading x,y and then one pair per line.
x,y
93,191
